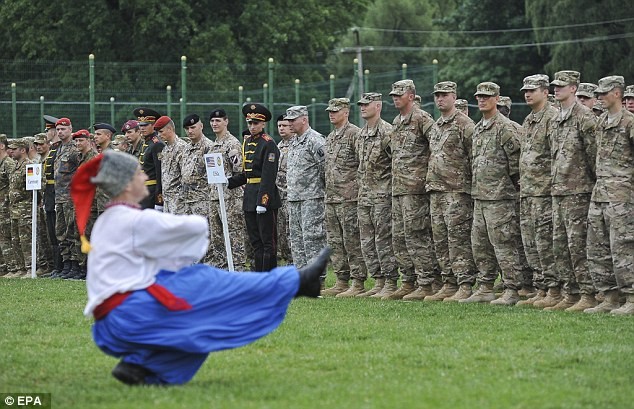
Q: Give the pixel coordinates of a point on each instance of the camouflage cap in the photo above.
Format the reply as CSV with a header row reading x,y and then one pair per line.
x,y
337,104
504,102
370,97
17,143
606,84
629,91
445,86
40,139
461,103
401,87
535,81
563,78
29,139
598,106
487,88
586,89
3,139
296,111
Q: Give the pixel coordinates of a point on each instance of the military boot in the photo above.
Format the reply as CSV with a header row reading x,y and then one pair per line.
x,y
420,293
566,302
540,295
484,293
339,287
64,271
388,289
310,275
354,290
447,290
527,292
378,286
586,301
58,265
610,303
508,297
627,308
464,292
406,288
74,272
498,287
553,296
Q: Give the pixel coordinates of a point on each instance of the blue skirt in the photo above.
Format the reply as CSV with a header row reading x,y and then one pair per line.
x,y
229,310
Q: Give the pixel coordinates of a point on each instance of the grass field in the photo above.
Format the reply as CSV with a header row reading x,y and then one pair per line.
x,y
336,353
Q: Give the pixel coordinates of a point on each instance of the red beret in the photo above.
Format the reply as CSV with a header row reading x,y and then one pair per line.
x,y
131,124
63,122
82,133
161,122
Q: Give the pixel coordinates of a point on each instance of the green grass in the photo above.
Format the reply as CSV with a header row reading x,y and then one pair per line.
x,y
336,353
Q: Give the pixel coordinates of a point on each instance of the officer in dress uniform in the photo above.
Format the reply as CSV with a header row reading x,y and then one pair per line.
x,y
261,197
150,157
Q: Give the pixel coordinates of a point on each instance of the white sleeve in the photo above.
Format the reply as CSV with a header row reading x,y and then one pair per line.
x,y
163,235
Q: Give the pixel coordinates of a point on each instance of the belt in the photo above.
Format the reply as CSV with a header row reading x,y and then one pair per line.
x,y
254,180
50,182
164,296
150,182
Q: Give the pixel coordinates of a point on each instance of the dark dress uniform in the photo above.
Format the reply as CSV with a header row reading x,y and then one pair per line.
x,y
49,205
150,159
260,161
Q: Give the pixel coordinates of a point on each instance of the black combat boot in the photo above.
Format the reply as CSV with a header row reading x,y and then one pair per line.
x,y
130,374
64,271
309,276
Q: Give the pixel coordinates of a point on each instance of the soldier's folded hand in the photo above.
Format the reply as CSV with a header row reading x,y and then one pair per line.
x,y
260,209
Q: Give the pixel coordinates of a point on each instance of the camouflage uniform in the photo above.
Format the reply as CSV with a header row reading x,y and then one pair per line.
x,y
495,173
231,150
611,214
67,161
7,165
451,206
342,189
196,190
44,254
283,241
20,209
573,174
411,221
305,195
375,200
536,215
171,163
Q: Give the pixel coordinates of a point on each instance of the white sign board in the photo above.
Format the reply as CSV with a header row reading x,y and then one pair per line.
x,y
215,168
34,176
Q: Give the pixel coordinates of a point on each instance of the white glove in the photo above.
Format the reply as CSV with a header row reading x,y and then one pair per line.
x,y
260,209
158,207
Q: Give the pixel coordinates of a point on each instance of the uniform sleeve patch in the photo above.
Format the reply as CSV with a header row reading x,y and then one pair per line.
x,y
321,152
272,157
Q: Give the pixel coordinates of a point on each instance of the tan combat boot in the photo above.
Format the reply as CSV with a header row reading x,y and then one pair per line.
x,y
447,290
378,286
419,294
540,295
527,292
586,301
509,297
406,288
498,287
464,292
339,287
484,293
568,301
627,308
610,302
389,288
355,289
553,296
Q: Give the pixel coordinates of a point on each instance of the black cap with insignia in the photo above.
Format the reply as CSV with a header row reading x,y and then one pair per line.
x,y
256,112
190,120
49,122
217,113
146,116
103,125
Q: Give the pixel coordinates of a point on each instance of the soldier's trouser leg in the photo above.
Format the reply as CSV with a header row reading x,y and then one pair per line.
x,y
526,270
148,202
262,229
235,220
570,220
418,238
494,240
368,246
382,221
536,222
24,231
16,245
334,230
342,219
313,227
295,233
399,244
66,231
218,254
452,216
283,241
44,254
6,246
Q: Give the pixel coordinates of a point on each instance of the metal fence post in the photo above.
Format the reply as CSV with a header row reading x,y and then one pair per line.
x,y
297,91
313,111
271,105
366,77
435,79
404,71
265,93
240,102
112,110
183,87
91,65
168,99
41,111
332,86
14,109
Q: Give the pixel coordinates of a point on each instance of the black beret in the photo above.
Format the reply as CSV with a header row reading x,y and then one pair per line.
x,y
103,125
280,118
255,111
190,120
217,113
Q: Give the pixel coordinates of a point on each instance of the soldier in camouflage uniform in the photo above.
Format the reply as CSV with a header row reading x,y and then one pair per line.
x,y
495,177
67,160
462,105
573,174
585,94
8,264
375,194
451,206
342,188
171,163
44,254
412,240
20,208
536,219
231,150
305,176
611,214
283,241
133,137
628,96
